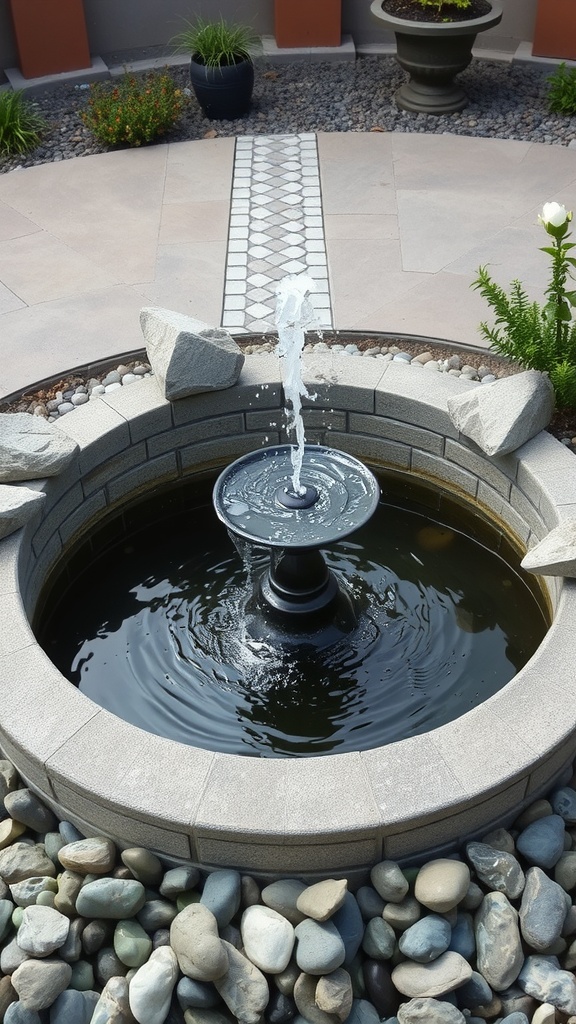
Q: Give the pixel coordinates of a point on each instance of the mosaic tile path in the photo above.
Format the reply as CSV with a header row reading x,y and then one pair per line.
x,y
276,229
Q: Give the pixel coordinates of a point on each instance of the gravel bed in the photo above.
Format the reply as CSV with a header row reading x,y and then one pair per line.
x,y
507,101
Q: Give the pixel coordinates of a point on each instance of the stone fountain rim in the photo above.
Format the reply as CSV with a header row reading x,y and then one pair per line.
x,y
332,813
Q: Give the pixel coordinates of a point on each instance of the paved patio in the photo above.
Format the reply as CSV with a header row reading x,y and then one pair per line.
x,y
406,220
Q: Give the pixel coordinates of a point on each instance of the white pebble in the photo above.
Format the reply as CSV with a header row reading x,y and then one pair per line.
x,y
112,387
99,389
129,378
488,378
79,399
64,408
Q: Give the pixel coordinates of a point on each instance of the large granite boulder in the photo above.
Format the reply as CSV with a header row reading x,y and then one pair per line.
x,y
17,506
187,355
555,555
502,416
32,448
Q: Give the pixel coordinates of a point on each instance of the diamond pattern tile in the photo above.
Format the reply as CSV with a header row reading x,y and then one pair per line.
x,y
276,228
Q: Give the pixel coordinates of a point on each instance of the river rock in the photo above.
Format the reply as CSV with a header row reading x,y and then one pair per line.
x,y
320,949
95,856
334,994
131,943
542,978
286,980
564,801
379,939
108,965
11,957
542,911
402,915
379,987
6,909
69,885
370,902
31,448
281,1009
542,842
426,940
178,880
497,869
113,1006
348,921
268,939
16,1014
305,1001
441,884
282,896
555,554
9,831
22,861
151,988
362,1012
156,914
502,416
73,1007
39,982
27,892
498,943
545,1014
243,987
111,898
71,949
198,947
389,882
321,900
188,356
198,994
443,975
429,1011
23,805
463,938
475,992
43,930
145,866
221,895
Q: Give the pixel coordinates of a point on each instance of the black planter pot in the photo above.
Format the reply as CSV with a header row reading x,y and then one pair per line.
x,y
224,93
433,54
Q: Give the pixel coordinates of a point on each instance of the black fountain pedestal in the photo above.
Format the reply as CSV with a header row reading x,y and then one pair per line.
x,y
298,599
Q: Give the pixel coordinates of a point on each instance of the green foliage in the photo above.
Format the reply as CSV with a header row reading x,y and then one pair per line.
x,y
562,90
461,5
539,337
133,110
20,125
214,43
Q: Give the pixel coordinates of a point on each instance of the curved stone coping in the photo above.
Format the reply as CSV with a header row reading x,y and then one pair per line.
x,y
337,813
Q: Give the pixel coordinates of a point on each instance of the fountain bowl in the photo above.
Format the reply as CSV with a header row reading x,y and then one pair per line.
x,y
312,817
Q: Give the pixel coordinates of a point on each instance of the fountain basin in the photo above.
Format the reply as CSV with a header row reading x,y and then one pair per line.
x,y
338,813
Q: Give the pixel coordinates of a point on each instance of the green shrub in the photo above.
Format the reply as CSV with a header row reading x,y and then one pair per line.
x,y
20,125
440,4
133,110
562,90
539,337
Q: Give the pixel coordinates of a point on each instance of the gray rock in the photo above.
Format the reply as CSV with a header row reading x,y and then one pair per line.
x,y
111,898
6,909
463,938
194,1016
389,882
514,1000
198,947
542,911
26,893
268,939
402,915
40,982
441,884
43,931
321,900
108,965
280,1009
429,1011
475,992
426,940
565,871
500,839
542,842
320,948
11,957
198,994
178,880
31,448
334,994
348,921
69,885
188,356
22,860
282,896
71,949
498,943
378,987
156,914
542,978
502,416
362,1012
73,1007
17,1014
554,555
94,936
151,988
113,1006
370,902
379,939
305,1001
443,975
23,805
145,866
497,869
69,832
222,894
131,943
564,799
18,505
243,987
94,856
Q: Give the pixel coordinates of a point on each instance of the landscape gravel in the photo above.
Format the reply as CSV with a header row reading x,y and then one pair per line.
x,y
136,939
507,101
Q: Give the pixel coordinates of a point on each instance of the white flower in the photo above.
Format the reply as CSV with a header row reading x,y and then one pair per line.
x,y
554,214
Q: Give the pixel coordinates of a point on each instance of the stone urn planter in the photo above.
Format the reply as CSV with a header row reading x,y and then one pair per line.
x,y
433,53
307,23
50,35
555,29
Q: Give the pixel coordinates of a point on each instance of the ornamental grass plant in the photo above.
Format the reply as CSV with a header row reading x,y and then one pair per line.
x,y
20,125
133,110
539,337
562,90
217,43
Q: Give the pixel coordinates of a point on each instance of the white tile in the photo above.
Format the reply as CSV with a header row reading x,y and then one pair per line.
x,y
293,252
260,188
234,274
314,232
320,300
234,302
237,245
238,194
315,245
311,221
232,319
258,238
242,173
259,252
238,233
263,200
258,310
311,190
258,280
316,259
294,267
237,259
239,220
235,287
293,239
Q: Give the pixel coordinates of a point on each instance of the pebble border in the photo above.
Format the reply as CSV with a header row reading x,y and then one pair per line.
x,y
337,813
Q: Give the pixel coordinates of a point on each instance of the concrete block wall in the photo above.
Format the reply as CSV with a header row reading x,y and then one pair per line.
x,y
316,816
